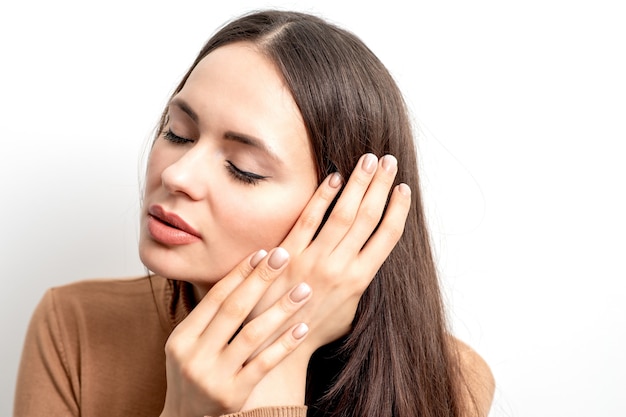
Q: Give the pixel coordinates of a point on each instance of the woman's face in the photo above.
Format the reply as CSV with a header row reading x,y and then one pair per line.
x,y
230,173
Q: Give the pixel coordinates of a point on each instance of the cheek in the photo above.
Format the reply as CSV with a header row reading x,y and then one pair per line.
x,y
263,222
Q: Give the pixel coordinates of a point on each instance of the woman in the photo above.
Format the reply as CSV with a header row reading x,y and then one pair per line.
x,y
256,150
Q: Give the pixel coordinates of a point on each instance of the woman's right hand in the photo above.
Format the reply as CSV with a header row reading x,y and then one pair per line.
x,y
210,372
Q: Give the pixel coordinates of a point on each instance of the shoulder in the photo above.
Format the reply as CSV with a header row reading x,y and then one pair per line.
x,y
479,381
83,303
99,288
96,292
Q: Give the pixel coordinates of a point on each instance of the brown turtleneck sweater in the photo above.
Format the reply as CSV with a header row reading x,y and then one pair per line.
x,y
95,348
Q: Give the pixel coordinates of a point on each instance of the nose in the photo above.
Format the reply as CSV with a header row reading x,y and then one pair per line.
x,y
188,174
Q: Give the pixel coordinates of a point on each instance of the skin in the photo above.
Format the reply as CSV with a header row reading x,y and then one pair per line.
x,y
234,91
289,297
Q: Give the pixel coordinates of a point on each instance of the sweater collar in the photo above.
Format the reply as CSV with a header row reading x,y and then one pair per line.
x,y
174,300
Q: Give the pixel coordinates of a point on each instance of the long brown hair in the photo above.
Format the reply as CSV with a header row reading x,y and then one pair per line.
x,y
399,359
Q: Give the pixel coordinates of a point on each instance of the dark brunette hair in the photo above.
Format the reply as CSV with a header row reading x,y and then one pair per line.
x,y
399,359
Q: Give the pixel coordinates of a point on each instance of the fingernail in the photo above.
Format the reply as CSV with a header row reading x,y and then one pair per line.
x,y
300,331
404,189
369,163
278,258
299,293
335,180
389,162
258,257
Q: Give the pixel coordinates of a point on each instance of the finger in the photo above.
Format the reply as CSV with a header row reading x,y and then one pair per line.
x,y
238,304
390,230
371,209
198,319
344,213
312,216
258,333
265,361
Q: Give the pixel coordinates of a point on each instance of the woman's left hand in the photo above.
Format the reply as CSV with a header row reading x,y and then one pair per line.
x,y
339,265
349,249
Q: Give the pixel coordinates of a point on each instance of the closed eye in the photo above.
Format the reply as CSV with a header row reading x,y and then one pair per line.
x,y
244,176
174,138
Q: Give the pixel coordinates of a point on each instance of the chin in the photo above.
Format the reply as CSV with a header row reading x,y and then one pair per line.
x,y
169,264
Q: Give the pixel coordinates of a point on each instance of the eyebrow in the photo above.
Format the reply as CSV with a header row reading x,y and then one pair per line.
x,y
229,135
252,141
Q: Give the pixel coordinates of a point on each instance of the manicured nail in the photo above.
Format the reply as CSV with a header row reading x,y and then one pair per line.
x,y
258,257
404,189
300,331
335,180
369,163
278,258
299,293
389,162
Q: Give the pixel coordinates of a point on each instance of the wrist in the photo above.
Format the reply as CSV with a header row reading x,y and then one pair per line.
x,y
283,386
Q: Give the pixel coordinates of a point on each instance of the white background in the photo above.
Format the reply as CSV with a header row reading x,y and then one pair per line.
x,y
521,108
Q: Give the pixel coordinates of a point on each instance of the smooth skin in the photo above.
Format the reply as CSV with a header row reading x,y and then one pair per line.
x,y
234,118
235,163
251,372
201,345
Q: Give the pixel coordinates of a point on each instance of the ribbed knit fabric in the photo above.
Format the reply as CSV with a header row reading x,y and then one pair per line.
x,y
96,349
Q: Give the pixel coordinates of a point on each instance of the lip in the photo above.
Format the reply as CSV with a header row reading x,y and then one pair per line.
x,y
169,228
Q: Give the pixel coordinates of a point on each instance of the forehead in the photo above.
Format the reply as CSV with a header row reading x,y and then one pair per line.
x,y
241,76
237,87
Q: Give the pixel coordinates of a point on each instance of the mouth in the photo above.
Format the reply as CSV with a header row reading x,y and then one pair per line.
x,y
169,228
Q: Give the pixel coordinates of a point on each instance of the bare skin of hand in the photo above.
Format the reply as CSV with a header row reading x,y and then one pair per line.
x,y
208,374
265,363
344,258
339,265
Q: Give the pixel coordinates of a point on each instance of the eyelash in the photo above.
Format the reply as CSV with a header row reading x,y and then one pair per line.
x,y
174,138
238,174
243,176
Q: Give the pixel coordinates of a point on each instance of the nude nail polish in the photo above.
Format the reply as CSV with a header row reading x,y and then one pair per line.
x,y
335,180
258,257
300,331
369,163
389,163
299,293
404,189
278,258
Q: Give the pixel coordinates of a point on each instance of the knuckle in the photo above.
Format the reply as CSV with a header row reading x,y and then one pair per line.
x,y
264,363
342,216
328,194
265,274
309,221
354,284
217,295
361,180
288,344
174,347
234,308
370,214
393,233
286,306
359,286
330,277
251,334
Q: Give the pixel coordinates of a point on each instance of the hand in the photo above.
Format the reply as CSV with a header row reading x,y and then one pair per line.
x,y
339,265
208,374
348,251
